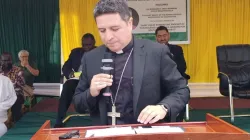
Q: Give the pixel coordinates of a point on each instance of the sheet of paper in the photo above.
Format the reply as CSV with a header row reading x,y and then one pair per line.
x,y
129,130
109,132
159,129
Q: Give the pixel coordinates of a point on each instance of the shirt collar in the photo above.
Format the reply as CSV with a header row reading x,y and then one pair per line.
x,y
127,48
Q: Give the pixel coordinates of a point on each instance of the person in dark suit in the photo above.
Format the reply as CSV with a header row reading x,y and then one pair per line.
x,y
73,63
146,86
69,69
162,37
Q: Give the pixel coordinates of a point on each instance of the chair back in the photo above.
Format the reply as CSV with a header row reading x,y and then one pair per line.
x,y
234,61
231,57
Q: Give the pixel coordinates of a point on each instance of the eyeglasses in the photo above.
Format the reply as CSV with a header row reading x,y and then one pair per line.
x,y
24,56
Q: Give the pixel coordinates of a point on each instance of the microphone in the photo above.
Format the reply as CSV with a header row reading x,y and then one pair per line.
x,y
107,68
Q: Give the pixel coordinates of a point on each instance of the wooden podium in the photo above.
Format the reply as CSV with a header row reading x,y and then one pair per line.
x,y
212,129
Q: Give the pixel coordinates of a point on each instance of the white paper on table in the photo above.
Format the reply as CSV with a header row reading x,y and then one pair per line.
x,y
159,129
109,132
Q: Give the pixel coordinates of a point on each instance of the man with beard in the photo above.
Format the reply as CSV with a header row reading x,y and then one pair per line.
x,y
70,70
162,37
15,75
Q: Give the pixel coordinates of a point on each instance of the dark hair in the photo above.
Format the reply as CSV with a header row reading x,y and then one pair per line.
x,y
161,28
135,16
88,35
6,54
112,6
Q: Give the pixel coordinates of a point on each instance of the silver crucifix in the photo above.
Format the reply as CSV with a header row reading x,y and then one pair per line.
x,y
114,114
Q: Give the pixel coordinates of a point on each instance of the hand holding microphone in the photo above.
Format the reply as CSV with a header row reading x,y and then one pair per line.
x,y
99,82
103,80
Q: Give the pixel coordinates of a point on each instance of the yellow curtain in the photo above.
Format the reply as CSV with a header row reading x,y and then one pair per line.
x,y
213,23
76,19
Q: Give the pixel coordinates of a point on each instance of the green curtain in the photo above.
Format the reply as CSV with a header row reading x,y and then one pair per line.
x,y
33,25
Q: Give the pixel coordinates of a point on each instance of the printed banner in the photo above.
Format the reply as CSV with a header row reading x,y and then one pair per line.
x,y
149,14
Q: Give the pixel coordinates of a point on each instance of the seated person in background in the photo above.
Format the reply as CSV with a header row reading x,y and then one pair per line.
x,y
146,86
71,66
162,37
7,99
29,68
16,76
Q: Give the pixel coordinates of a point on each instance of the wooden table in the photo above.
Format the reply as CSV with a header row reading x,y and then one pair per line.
x,y
212,129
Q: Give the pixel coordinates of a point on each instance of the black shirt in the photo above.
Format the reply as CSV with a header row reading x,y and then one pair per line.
x,y
124,99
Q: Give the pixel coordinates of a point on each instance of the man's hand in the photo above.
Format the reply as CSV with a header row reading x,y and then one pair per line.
x,y
71,75
99,82
152,114
25,63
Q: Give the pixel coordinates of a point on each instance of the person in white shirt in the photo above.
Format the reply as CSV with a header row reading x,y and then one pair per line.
x,y
7,99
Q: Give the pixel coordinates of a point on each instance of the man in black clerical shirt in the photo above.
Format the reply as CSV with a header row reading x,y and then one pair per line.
x,y
146,85
124,102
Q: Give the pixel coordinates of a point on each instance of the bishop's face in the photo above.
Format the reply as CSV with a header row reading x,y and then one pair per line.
x,y
114,31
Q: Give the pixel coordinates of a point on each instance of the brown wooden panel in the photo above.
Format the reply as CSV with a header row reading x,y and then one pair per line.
x,y
213,129
43,133
169,136
219,125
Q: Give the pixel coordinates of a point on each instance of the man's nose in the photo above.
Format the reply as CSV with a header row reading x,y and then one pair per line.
x,y
163,39
109,35
87,45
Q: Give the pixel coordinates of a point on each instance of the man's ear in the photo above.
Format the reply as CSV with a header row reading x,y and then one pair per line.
x,y
130,21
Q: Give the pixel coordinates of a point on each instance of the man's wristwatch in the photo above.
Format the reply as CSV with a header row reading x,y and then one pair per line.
x,y
164,108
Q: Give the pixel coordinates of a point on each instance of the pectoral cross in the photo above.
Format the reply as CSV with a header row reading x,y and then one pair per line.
x,y
114,114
